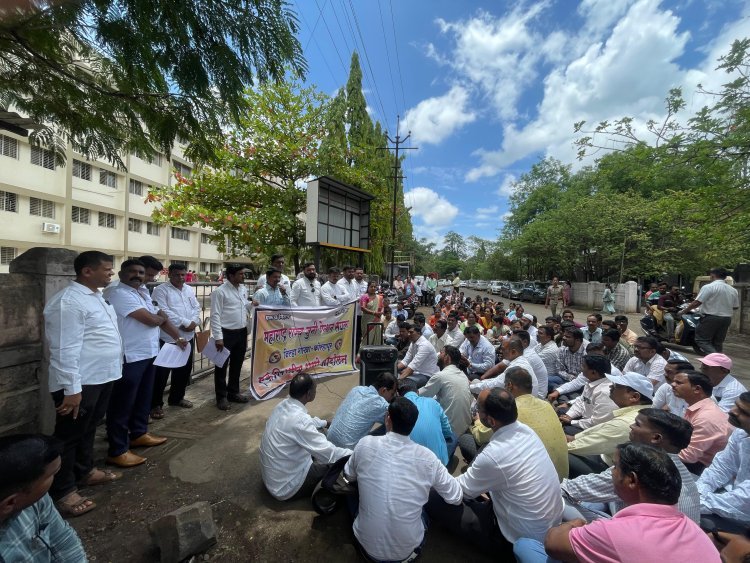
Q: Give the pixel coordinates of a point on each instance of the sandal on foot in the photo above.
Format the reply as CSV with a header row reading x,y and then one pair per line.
x,y
100,477
157,413
74,505
184,403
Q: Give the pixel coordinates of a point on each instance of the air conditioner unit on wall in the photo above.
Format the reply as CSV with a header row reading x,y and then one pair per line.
x,y
51,228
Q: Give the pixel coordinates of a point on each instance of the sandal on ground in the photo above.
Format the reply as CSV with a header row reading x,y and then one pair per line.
x,y
184,403
100,477
73,505
157,413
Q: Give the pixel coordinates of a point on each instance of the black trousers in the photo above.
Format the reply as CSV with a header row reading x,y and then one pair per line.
x,y
357,333
711,333
77,437
180,380
584,464
236,342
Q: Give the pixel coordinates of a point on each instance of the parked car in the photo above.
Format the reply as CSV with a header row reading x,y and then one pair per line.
x,y
443,283
496,287
536,292
513,291
482,285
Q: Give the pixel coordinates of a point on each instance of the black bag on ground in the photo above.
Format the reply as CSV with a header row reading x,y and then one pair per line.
x,y
325,497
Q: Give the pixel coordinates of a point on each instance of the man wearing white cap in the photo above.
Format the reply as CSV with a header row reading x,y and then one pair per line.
x,y
528,325
716,367
591,451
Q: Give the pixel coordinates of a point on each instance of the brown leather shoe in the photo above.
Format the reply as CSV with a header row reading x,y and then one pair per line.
x,y
128,459
147,440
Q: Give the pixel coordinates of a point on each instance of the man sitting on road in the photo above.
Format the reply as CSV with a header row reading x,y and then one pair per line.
x,y
616,353
716,367
477,354
725,485
592,331
664,398
451,389
420,361
650,528
388,524
420,321
646,361
433,429
362,408
569,358
440,336
540,369
547,350
627,336
294,455
513,352
594,405
711,428
654,427
455,336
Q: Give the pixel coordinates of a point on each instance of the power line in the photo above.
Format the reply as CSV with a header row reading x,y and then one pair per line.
x,y
333,42
388,55
398,59
312,33
312,36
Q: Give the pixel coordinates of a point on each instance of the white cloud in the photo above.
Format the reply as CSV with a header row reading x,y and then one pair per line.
x,y
486,212
435,119
430,207
507,187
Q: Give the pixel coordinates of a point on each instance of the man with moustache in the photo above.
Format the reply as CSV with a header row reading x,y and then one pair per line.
x,y
331,294
138,320
306,290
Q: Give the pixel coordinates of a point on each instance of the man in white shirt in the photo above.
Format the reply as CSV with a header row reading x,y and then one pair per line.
x,y
420,362
277,262
517,472
294,454
229,315
351,288
477,354
139,321
494,377
664,397
594,405
388,523
455,336
450,387
306,290
716,367
331,294
440,336
359,277
547,348
85,359
177,300
540,369
646,361
420,321
718,300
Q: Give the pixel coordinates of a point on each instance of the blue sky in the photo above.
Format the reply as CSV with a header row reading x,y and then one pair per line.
x,y
488,88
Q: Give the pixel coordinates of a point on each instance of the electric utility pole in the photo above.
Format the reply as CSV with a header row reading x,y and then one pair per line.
x,y
398,141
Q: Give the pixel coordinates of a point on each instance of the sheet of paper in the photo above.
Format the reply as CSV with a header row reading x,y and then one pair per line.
x,y
172,356
217,357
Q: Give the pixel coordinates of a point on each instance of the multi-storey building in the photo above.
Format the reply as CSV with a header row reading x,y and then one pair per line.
x,y
90,205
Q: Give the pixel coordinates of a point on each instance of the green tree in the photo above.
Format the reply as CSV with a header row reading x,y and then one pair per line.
x,y
134,75
252,197
454,245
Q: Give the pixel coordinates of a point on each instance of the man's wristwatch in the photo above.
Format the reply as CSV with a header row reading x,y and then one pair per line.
x,y
180,339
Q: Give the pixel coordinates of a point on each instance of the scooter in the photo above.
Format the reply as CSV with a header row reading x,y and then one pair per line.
x,y
684,331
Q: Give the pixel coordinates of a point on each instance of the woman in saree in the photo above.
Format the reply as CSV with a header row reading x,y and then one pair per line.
x,y
372,312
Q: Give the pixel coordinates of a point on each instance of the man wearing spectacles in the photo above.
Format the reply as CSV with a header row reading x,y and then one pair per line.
x,y
306,290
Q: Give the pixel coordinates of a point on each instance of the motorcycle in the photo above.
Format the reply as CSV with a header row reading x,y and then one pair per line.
x,y
684,331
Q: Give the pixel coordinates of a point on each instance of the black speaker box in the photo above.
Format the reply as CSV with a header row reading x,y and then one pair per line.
x,y
374,360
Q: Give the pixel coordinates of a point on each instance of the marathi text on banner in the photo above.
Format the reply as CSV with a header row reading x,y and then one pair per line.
x,y
287,341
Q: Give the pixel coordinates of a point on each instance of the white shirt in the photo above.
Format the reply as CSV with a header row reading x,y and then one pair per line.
x,y
593,406
481,357
540,370
394,476
548,353
84,339
450,387
653,369
305,293
333,295
351,289
718,298
427,331
229,309
289,443
730,470
421,357
580,380
262,282
522,481
139,340
438,343
181,307
499,381
391,331
455,337
664,396
726,392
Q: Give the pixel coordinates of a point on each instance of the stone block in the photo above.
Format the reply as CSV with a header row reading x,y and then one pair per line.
x,y
184,532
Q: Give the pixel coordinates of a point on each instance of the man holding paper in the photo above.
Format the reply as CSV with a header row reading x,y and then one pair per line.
x,y
177,300
138,320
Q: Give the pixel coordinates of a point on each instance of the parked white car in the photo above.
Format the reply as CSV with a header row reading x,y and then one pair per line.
x,y
495,287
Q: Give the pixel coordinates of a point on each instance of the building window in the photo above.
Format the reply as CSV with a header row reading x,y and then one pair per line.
x,y
180,262
107,220
7,254
152,229
80,215
9,202
180,234
155,159
8,146
42,208
209,267
107,178
136,187
43,157
135,225
82,170
183,169
206,238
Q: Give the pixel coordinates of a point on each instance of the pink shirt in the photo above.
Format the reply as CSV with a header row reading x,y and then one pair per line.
x,y
643,532
711,430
